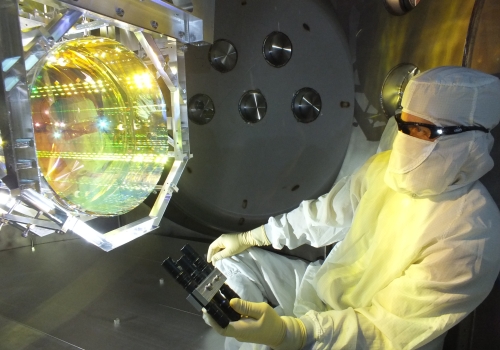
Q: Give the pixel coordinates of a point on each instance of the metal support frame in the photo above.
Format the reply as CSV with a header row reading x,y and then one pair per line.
x,y
36,212
15,122
153,16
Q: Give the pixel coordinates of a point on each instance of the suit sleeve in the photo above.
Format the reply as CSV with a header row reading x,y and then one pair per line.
x,y
321,221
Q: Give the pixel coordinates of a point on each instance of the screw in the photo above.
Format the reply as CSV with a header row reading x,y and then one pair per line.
x,y
154,24
119,11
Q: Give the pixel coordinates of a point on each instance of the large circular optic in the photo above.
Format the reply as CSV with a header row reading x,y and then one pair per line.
x,y
201,109
100,125
277,49
252,106
223,55
306,105
394,86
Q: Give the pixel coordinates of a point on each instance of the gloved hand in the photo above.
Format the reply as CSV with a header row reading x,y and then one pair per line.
x,y
234,243
262,325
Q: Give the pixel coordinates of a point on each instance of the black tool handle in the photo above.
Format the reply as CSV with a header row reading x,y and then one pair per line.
x,y
217,314
186,281
224,305
228,292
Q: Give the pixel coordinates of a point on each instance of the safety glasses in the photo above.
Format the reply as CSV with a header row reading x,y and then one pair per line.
x,y
433,130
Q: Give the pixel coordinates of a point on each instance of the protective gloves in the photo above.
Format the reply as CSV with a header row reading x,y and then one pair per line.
x,y
234,243
262,325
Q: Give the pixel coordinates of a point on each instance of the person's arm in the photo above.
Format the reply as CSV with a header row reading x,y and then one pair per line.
x,y
316,222
448,281
322,221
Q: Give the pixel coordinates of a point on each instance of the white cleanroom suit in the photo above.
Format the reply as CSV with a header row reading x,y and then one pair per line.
x,y
419,233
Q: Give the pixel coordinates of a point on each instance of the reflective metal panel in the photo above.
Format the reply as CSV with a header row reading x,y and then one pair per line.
x,y
15,121
100,125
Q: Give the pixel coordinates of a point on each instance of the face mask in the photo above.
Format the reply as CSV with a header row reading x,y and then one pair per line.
x,y
424,168
409,152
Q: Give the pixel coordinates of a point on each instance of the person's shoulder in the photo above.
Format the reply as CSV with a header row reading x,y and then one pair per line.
x,y
479,199
377,163
470,209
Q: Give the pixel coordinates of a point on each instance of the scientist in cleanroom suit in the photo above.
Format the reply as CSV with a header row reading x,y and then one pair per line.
x,y
419,236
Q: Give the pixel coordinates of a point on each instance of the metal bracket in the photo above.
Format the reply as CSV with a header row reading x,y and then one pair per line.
x,y
209,287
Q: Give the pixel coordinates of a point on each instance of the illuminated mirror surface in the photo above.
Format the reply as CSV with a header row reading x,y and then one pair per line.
x,y
100,125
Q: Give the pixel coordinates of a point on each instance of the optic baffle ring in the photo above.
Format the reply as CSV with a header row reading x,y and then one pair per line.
x,y
277,49
252,106
306,105
394,86
223,55
201,109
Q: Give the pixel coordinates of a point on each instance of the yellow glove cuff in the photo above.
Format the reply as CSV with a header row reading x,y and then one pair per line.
x,y
295,336
256,237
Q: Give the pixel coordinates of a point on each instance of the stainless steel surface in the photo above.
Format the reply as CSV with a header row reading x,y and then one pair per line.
x,y
485,54
470,40
210,286
204,9
223,55
174,75
242,173
134,15
394,86
306,105
25,220
68,295
201,109
431,35
15,121
61,26
277,49
37,43
252,106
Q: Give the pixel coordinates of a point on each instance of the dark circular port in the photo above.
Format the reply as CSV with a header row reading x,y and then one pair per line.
x,y
306,105
394,86
252,106
277,49
400,7
201,109
223,55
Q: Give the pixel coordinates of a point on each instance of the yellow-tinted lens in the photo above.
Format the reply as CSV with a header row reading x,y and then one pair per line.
x,y
100,125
